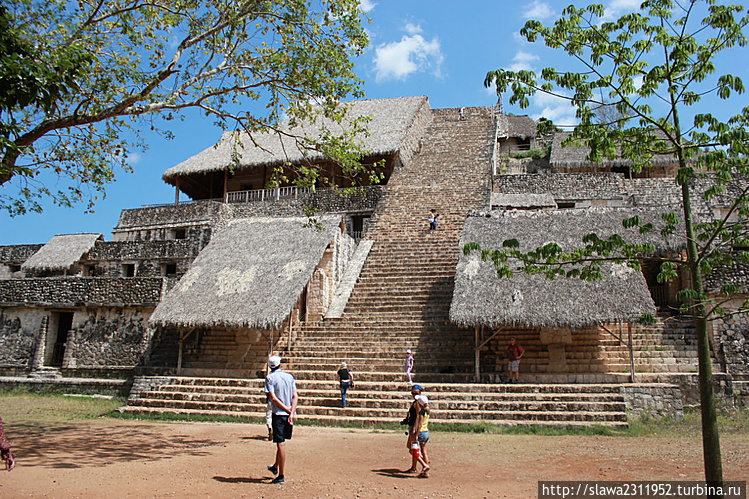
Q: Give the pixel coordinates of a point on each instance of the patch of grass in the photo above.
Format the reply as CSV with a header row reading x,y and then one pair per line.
x,y
169,417
19,405
484,427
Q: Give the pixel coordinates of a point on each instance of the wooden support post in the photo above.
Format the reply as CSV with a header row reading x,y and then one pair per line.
x,y
631,353
176,191
182,337
477,351
226,182
179,358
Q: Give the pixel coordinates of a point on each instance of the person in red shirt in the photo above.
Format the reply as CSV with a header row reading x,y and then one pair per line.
x,y
514,354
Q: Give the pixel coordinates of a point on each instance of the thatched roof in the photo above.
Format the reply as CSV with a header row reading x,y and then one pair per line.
x,y
391,119
575,157
250,274
522,127
61,252
481,298
523,201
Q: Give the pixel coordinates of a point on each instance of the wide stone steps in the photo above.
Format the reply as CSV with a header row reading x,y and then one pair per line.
x,y
385,402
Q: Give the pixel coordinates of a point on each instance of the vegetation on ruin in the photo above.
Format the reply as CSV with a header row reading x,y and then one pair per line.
x,y
655,68
81,82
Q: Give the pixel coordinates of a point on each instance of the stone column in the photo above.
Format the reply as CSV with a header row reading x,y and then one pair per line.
x,y
556,339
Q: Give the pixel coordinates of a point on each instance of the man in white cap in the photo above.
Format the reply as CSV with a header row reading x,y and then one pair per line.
x,y
281,388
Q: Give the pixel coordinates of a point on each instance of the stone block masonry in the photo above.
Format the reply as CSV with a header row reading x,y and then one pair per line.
x,y
110,337
81,291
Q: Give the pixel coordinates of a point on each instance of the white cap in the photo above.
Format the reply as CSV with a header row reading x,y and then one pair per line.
x,y
408,351
422,399
274,361
344,363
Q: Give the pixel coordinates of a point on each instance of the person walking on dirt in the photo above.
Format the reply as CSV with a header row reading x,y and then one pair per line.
x,y
410,421
514,354
346,380
420,435
281,387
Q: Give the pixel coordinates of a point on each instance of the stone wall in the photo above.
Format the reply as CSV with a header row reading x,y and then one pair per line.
x,y
167,216
18,253
103,339
81,291
357,199
731,334
654,400
147,256
327,276
110,337
19,337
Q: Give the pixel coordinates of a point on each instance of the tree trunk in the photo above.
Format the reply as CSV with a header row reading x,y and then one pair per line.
x,y
710,437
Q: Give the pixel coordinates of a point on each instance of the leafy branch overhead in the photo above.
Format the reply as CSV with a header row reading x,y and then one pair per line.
x,y
88,77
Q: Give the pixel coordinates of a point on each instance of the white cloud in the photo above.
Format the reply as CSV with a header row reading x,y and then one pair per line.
x,y
538,10
367,5
618,8
134,158
413,53
413,29
556,109
522,60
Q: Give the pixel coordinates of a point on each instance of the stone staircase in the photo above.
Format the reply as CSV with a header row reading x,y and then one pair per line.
x,y
402,296
387,402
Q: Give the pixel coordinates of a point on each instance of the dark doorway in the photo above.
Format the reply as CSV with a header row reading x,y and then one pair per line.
x,y
659,291
64,324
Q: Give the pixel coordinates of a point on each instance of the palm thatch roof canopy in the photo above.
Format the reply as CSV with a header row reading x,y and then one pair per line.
x,y
61,252
482,298
250,274
391,119
521,127
576,157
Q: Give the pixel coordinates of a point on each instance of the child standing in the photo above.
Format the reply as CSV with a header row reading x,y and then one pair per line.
x,y
409,365
432,219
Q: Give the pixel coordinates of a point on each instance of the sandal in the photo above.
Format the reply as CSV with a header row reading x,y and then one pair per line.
x,y
410,470
424,473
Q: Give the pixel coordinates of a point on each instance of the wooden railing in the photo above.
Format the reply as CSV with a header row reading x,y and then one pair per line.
x,y
265,194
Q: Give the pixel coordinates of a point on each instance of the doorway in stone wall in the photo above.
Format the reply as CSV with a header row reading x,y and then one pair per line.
x,y
61,324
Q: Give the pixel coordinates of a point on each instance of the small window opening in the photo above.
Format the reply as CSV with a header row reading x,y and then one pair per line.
x,y
128,270
169,269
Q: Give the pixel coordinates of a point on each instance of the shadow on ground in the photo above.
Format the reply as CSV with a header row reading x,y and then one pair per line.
x,y
57,445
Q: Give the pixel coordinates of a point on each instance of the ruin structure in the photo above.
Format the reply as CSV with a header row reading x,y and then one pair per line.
x,y
198,292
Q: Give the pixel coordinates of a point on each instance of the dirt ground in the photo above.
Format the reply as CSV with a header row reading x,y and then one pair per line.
x,y
112,458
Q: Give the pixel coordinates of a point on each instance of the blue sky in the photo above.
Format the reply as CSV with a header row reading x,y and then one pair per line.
x,y
438,48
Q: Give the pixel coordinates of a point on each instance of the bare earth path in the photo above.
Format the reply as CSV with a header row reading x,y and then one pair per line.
x,y
110,458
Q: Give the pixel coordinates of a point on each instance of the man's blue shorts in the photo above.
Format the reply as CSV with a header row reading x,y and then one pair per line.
x,y
281,428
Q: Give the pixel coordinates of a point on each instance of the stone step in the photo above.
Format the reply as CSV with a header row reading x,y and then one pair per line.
x,y
394,414
367,421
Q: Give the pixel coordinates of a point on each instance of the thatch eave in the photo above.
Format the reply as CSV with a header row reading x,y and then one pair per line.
x,y
389,125
481,298
250,275
61,252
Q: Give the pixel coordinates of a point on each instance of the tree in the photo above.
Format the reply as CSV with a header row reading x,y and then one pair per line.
x,y
78,78
653,66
